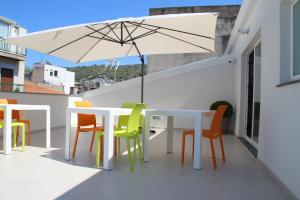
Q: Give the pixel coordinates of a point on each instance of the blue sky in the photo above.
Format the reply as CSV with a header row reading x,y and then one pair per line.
x,y
37,15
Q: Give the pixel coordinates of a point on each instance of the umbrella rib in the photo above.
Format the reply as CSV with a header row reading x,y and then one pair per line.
x,y
144,34
109,40
67,44
112,29
176,38
133,42
90,49
170,29
105,34
136,27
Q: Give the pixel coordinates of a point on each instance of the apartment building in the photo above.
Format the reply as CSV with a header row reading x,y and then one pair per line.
x,y
45,72
12,58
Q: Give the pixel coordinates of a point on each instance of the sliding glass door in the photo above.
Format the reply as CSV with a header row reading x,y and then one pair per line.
x,y
253,95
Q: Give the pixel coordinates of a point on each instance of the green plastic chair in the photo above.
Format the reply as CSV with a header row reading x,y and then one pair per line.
x,y
15,126
131,132
123,120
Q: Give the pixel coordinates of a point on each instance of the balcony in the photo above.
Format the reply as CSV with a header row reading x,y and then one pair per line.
x,y
40,173
12,50
9,87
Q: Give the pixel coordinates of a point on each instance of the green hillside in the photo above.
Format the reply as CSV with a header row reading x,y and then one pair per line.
x,y
124,72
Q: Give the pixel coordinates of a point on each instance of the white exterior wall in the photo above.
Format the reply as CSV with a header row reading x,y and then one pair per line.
x,y
194,86
58,105
41,74
279,136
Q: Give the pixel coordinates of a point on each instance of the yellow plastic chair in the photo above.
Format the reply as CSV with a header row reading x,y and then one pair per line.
x,y
131,132
15,126
123,120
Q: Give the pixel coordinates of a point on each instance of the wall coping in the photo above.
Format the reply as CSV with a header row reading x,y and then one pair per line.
x,y
170,72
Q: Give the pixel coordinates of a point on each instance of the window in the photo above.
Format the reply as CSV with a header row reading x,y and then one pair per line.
x,y
55,73
4,32
51,72
296,40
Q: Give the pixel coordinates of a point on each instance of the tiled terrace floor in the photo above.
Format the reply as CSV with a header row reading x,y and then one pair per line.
x,y
43,174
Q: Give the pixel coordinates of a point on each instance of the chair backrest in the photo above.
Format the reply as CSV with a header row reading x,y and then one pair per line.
x,y
216,124
123,119
15,113
134,118
85,119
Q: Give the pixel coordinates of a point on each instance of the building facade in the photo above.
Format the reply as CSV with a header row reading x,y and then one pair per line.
x,y
12,58
225,23
45,72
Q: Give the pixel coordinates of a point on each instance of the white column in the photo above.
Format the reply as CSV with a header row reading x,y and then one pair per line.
x,y
48,128
146,138
170,127
197,147
67,139
108,141
7,130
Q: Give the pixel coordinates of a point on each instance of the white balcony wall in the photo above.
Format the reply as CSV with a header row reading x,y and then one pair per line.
x,y
279,137
193,86
58,105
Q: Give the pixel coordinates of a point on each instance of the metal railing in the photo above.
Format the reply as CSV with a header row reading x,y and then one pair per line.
x,y
10,87
12,49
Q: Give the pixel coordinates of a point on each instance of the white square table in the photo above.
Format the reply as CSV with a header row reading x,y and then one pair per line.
x,y
8,108
109,114
171,113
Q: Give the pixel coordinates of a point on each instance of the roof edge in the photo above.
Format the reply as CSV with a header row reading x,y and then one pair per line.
x,y
243,16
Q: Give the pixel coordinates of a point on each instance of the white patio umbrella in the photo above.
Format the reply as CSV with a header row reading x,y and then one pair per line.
x,y
161,34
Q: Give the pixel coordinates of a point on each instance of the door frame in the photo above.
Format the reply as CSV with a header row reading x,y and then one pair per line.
x,y
247,53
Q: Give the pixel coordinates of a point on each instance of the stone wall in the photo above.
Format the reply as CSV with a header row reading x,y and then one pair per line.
x,y
225,23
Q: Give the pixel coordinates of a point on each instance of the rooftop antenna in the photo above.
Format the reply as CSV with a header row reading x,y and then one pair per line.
x,y
112,64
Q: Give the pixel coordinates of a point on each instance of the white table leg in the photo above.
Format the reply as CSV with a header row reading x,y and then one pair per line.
x,y
7,130
48,129
197,147
146,138
170,126
108,142
67,139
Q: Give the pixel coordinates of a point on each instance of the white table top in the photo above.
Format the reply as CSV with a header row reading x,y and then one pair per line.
x,y
181,112
25,106
94,110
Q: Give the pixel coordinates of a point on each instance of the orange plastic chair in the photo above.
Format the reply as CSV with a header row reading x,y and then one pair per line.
x,y
214,132
16,117
86,123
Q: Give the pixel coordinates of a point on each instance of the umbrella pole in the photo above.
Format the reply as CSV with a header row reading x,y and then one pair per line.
x,y
143,67
142,84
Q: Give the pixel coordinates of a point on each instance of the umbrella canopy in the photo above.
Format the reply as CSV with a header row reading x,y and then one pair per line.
x,y
161,34
166,34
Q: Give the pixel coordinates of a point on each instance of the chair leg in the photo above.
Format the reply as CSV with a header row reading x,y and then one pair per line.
x,y
75,143
98,151
129,155
222,148
115,145
15,136
193,146
92,141
101,147
17,131
23,137
139,148
182,148
119,145
213,153
134,149
28,133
